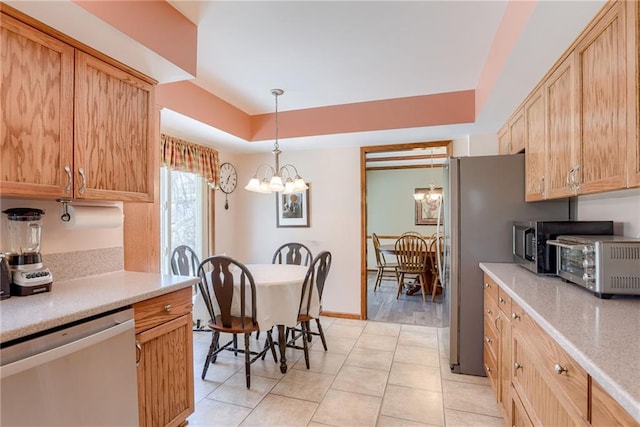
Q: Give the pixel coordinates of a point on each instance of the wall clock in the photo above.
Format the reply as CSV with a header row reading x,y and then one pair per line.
x,y
228,181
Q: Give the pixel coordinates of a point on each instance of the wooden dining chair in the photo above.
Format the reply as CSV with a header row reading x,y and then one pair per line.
x,y
292,253
436,251
386,270
412,254
185,262
411,233
227,283
313,282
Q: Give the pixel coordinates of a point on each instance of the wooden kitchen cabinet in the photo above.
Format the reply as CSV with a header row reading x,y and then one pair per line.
x,y
164,339
74,124
535,159
606,412
602,101
633,94
36,112
511,135
552,387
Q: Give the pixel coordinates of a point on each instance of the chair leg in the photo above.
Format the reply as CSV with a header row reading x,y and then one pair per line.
x,y
423,284
434,288
378,279
273,347
247,361
309,331
212,348
324,341
305,344
235,345
400,282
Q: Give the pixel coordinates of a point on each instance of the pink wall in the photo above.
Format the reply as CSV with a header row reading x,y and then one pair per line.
x,y
163,29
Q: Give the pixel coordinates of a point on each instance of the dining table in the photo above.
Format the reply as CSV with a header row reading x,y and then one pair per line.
x,y
278,294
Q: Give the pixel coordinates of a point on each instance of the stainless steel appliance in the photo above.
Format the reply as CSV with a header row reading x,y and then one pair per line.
x,y
5,277
482,198
24,230
530,249
81,375
605,265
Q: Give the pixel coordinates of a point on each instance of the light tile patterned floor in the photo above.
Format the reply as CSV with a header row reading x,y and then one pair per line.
x,y
373,374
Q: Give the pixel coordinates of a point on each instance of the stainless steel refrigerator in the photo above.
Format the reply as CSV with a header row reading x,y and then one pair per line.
x,y
482,196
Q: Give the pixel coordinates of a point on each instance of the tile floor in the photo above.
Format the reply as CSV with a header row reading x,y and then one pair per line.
x,y
374,374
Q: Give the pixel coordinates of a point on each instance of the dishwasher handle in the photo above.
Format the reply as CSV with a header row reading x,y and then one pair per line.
x,y
64,350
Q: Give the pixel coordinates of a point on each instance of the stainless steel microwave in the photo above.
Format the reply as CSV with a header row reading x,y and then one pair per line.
x,y
605,265
530,249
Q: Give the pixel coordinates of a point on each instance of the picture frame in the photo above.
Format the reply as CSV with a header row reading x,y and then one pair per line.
x,y
427,208
292,210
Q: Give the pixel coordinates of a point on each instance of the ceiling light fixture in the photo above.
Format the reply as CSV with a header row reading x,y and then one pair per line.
x,y
431,196
272,178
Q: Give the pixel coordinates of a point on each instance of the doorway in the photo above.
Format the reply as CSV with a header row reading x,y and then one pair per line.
x,y
390,174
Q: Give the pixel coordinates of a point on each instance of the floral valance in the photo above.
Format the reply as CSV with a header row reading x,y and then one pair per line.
x,y
186,156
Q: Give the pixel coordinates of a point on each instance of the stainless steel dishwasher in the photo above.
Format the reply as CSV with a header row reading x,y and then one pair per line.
x,y
80,375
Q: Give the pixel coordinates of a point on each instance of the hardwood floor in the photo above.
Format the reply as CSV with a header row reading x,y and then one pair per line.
x,y
382,305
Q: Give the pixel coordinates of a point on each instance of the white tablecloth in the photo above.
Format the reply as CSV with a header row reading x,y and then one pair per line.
x,y
278,288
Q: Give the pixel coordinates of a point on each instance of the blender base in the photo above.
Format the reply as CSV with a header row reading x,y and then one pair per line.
x,y
23,291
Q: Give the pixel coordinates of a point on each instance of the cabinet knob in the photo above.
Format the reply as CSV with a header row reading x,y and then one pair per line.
x,y
501,300
168,308
559,368
516,365
138,353
488,340
489,311
486,285
487,368
514,316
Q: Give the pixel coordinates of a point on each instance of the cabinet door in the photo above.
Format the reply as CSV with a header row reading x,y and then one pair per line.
x,y
633,93
36,112
113,142
562,128
516,124
165,373
607,412
534,146
504,139
603,88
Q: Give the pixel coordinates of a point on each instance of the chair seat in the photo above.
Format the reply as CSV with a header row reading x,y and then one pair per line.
x,y
236,326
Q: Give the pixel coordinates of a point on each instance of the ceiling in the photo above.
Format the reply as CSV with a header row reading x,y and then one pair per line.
x,y
325,53
333,52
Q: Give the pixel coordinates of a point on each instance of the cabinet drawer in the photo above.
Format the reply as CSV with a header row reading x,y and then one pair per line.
x,y
491,367
504,302
154,311
491,337
490,288
491,309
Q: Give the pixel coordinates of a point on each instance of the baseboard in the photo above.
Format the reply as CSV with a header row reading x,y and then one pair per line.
x,y
340,315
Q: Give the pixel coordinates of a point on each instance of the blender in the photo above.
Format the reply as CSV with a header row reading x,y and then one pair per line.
x,y
24,230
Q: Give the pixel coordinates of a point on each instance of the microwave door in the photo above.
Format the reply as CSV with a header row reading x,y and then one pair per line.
x,y
523,242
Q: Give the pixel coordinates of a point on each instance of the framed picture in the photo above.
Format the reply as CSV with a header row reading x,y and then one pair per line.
x,y
427,208
292,210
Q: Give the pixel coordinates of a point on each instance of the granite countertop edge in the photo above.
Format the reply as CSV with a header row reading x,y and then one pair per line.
x,y
77,299
610,379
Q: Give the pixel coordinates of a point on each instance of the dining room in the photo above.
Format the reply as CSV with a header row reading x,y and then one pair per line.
x,y
403,196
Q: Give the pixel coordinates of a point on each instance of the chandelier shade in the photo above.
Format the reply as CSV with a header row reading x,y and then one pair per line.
x,y
279,179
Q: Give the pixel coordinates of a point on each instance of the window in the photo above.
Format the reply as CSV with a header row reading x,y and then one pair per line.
x,y
183,216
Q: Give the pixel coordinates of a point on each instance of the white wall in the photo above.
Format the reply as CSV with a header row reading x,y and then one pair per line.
x,y
56,237
334,177
623,207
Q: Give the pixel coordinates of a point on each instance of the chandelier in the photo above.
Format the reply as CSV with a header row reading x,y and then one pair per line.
x,y
431,196
272,177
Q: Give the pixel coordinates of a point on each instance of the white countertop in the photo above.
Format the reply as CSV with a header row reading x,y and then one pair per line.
x,y
603,336
77,299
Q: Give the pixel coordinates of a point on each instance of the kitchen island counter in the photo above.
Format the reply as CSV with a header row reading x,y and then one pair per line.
x,y
600,334
78,299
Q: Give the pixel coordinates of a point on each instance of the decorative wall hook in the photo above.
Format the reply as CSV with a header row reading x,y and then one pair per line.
x,y
65,217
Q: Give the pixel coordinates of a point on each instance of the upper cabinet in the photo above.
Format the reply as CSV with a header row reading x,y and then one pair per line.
x,y
580,122
73,125
511,135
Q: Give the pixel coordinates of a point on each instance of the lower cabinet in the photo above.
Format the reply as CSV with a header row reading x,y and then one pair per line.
x,y
164,340
536,382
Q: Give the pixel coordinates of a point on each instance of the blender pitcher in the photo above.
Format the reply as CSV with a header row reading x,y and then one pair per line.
x,y
24,230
